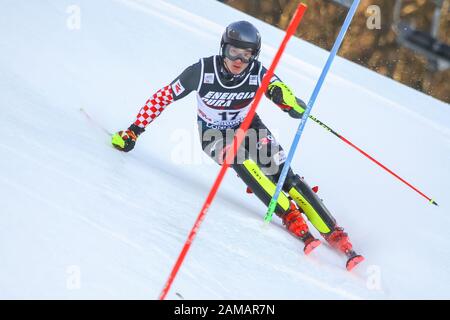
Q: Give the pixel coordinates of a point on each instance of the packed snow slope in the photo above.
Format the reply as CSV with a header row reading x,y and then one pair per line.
x,y
79,219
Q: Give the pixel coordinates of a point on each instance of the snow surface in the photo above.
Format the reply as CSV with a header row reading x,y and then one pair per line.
x,y
81,220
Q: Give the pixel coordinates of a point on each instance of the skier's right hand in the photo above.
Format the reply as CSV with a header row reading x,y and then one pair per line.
x,y
126,139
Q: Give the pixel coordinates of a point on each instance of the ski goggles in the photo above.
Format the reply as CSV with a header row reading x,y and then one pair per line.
x,y
233,53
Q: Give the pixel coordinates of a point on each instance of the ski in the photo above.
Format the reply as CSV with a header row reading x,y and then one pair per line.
x,y
94,122
353,259
310,243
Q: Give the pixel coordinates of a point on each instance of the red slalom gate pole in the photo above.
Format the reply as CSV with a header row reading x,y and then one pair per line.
x,y
231,153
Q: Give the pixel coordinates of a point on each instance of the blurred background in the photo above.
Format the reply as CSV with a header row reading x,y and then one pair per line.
x,y
406,40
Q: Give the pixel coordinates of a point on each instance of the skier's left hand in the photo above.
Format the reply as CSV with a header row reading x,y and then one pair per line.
x,y
283,96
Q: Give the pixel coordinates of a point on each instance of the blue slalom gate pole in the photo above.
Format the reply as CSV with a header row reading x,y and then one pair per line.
x,y
311,102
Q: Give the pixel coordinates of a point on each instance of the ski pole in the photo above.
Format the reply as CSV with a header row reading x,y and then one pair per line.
x,y
94,122
231,153
314,95
371,158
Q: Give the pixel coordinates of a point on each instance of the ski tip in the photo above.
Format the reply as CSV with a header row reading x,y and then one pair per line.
x,y
354,261
311,246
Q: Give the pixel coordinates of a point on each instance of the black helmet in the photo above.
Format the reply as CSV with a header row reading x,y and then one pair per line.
x,y
241,34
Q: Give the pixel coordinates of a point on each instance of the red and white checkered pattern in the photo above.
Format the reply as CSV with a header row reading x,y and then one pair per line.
x,y
154,106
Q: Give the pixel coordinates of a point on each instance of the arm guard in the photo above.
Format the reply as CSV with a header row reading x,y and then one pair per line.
x,y
154,106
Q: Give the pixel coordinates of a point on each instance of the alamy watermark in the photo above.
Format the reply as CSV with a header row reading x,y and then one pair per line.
x,y
374,17
73,21
73,281
373,282
259,145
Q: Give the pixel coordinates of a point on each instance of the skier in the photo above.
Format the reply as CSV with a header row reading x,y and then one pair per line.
x,y
226,85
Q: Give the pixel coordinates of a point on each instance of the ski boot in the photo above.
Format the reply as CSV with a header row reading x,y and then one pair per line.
x,y
338,239
296,225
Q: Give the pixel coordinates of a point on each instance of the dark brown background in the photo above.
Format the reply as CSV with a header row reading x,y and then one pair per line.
x,y
376,49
